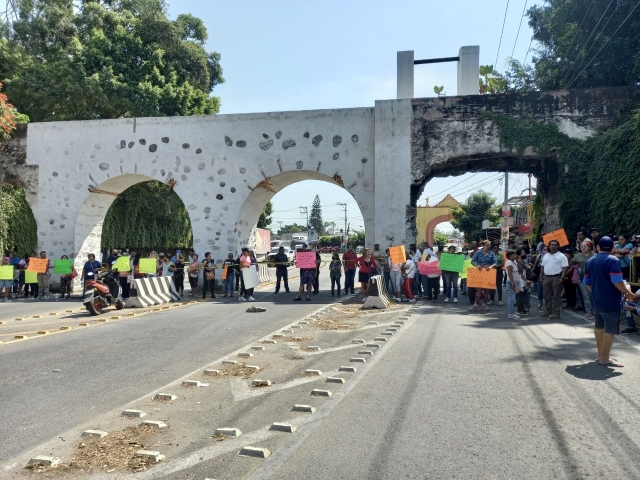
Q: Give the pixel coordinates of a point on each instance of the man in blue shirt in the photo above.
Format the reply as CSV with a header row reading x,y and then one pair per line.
x,y
603,278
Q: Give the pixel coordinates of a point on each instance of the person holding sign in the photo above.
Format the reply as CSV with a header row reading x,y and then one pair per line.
x,y
483,258
395,273
6,279
306,264
43,278
410,271
451,265
245,263
65,280
366,262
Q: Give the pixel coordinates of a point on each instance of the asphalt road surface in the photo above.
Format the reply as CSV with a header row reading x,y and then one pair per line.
x,y
453,395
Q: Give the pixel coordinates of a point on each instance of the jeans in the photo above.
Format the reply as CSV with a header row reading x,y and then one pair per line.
x,y
417,281
552,294
396,283
335,282
450,280
512,298
433,287
126,287
230,282
282,274
387,282
349,279
586,297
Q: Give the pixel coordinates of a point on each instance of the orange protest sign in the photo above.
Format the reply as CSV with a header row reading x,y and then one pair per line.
x,y
397,254
558,235
39,265
224,272
481,277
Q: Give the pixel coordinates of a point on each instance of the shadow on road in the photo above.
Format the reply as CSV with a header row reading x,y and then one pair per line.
x,y
592,371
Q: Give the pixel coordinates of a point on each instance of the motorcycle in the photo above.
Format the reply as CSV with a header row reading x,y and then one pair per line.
x,y
102,290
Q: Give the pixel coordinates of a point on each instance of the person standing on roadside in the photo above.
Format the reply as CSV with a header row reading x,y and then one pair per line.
x,y
194,272
499,275
307,279
246,260
316,281
553,272
349,258
582,258
6,284
335,272
43,279
483,258
622,249
410,271
208,276
230,281
282,272
595,236
178,274
450,281
603,278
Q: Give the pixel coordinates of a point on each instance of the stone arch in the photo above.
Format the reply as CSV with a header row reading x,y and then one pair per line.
x,y
254,203
432,225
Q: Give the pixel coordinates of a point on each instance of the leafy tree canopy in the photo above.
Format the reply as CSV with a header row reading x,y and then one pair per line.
x,y
293,228
9,117
440,238
107,59
265,217
469,216
315,217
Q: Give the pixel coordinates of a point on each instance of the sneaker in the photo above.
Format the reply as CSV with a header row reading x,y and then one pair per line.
x,y
514,316
501,304
308,298
446,300
242,299
523,313
224,296
364,299
553,316
413,300
545,314
455,300
276,292
490,302
397,299
298,299
474,307
539,305
629,330
251,299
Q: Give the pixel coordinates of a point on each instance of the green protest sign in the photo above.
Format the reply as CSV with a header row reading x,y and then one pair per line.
x,y
62,267
451,262
465,267
148,265
30,277
122,264
6,272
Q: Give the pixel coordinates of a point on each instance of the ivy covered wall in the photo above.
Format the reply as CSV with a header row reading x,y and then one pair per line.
x,y
149,216
17,224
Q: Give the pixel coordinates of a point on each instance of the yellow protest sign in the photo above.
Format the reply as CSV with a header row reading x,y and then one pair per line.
x,y
481,278
122,264
148,265
6,272
30,277
398,254
558,235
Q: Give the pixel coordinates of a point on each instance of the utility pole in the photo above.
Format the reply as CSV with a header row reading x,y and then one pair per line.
x,y
305,211
344,207
505,212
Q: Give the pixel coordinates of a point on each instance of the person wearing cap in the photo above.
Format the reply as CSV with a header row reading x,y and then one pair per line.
x,y
553,272
595,236
603,278
174,259
112,258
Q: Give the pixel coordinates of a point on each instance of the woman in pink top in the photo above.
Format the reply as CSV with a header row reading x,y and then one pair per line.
x,y
365,262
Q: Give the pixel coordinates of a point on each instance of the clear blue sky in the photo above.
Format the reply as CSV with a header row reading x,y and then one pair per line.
x,y
300,55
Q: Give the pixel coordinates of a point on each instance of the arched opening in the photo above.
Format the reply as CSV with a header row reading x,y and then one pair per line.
x,y
294,189
99,204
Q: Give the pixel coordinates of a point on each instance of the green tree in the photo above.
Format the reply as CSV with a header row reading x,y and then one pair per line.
x,y
18,227
579,47
440,238
469,216
357,239
491,81
330,241
293,228
265,217
107,59
315,217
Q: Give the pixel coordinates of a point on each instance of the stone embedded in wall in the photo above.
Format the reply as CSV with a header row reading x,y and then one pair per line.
x,y
222,184
183,177
198,151
211,179
243,170
266,145
219,196
228,141
355,138
306,135
201,166
337,140
104,166
278,134
123,144
222,171
364,160
131,144
299,164
142,141
165,139
153,147
162,172
336,156
316,140
233,189
55,174
207,209
187,169
288,144
241,143
265,136
185,145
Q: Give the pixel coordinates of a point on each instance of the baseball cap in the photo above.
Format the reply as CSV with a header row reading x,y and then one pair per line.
x,y
178,251
594,228
605,243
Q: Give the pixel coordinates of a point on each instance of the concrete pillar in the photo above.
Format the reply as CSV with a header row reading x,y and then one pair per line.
x,y
468,70
405,74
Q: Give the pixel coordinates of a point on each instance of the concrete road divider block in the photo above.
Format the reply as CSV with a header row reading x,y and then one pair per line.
x,y
270,341
314,348
372,345
37,316
152,455
256,347
53,314
371,322
1,322
66,328
94,433
20,337
313,372
194,383
232,432
400,322
209,371
357,360
277,335
45,460
245,355
379,339
255,452
83,324
303,322
103,320
164,396
296,326
261,383
133,413
229,362
335,380
69,311
154,424
303,408
365,352
282,427
115,318
286,331
252,367
43,332
392,329
347,369
396,325
320,393
131,314
389,334
358,340
19,319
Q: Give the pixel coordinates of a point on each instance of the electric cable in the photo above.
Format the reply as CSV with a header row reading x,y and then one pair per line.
x,y
519,25
501,33
577,42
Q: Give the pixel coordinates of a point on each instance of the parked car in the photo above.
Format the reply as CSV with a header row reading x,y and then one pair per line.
x,y
274,251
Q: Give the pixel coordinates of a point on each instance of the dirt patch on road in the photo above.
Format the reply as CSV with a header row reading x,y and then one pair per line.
x,y
295,339
330,324
239,370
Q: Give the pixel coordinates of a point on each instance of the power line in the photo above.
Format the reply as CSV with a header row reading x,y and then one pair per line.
x,y
448,189
518,34
604,45
577,43
475,187
501,33
531,42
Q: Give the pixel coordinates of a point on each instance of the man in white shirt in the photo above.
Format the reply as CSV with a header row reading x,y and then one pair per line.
x,y
553,271
407,286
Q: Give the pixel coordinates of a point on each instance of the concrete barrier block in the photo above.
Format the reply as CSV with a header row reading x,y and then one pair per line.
x,y
229,362
66,328
389,334
334,380
358,340
357,360
194,383
261,383
270,341
320,393
209,371
313,372
303,408
245,355
45,460
20,337
314,348
365,352
277,335
133,413
252,367
255,452
94,433
256,347
282,427
379,339
232,432
372,345
154,423
347,369
164,396
152,455
43,332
